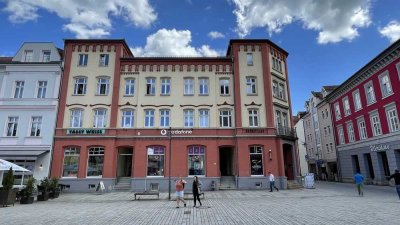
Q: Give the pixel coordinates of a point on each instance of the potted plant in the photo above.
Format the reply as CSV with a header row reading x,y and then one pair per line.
x,y
54,190
43,190
27,191
7,194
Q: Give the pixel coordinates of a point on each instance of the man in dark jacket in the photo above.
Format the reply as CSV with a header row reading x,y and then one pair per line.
x,y
396,177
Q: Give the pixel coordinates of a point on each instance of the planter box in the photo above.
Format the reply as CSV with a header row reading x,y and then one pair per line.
x,y
26,200
7,197
54,194
44,196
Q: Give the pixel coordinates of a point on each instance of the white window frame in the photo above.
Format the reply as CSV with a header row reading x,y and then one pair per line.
x,y
28,56
275,88
104,59
42,89
346,106
128,118
249,59
251,85
204,118
392,118
253,118
129,87
224,86
100,118
281,91
375,124
188,86
12,126
151,86
36,126
341,135
76,118
103,85
83,59
350,132
370,93
46,55
149,116
188,118
338,115
362,129
80,81
386,87
19,89
203,86
165,117
357,100
225,115
165,86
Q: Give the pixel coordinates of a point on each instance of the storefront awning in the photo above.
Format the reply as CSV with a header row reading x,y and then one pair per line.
x,y
21,154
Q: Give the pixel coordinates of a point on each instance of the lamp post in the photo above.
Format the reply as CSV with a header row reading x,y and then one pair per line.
x,y
169,164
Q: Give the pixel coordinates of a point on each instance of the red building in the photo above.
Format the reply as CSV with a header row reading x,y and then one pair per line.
x,y
365,114
131,121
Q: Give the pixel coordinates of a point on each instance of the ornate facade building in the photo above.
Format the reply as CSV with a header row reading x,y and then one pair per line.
x,y
131,121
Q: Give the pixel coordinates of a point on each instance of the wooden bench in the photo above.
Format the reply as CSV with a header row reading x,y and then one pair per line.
x,y
191,194
154,190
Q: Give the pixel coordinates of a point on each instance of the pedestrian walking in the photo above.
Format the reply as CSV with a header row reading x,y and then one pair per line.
x,y
180,187
196,190
359,180
396,177
272,182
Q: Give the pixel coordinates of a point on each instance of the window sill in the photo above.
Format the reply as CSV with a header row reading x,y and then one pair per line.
x,y
10,137
129,95
165,95
225,95
34,137
358,109
78,94
149,95
369,104
252,94
188,94
101,95
388,95
203,94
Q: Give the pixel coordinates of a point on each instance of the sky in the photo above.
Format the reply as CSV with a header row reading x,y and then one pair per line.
x,y
327,40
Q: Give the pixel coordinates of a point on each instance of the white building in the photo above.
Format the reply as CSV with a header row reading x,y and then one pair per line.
x,y
301,142
29,92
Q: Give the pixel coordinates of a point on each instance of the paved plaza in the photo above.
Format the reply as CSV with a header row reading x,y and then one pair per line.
x,y
328,203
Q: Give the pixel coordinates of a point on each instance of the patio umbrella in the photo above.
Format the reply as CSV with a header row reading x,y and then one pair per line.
x,y
6,165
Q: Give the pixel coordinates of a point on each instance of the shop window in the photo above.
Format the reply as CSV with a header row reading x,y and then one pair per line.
x,y
71,162
196,160
155,160
95,162
256,160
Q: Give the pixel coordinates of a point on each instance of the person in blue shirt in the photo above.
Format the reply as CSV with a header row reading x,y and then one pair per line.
x,y
359,180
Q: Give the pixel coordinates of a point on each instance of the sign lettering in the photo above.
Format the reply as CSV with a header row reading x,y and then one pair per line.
x,y
378,148
86,131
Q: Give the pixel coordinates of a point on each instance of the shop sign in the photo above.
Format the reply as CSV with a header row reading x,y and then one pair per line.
x,y
86,131
378,148
176,132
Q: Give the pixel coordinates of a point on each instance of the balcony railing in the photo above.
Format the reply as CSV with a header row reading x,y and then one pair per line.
x,y
286,132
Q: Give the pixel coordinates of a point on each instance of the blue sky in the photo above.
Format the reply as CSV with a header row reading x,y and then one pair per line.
x,y
327,40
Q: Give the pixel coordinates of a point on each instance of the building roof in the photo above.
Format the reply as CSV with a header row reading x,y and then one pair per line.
x,y
317,94
5,59
329,88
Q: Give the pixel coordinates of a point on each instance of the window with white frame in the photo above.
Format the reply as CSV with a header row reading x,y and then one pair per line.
x,y
80,86
128,118
196,160
76,118
103,85
276,64
83,59
346,106
203,86
285,121
341,135
357,100
253,118
12,125
370,94
204,118
249,59
224,86
275,88
188,117
95,162
129,87
28,57
19,89
350,132
36,126
251,85
278,118
155,160
100,118
392,118
337,112
386,87
42,88
150,86
188,86
71,162
376,124
103,60
225,118
281,91
164,118
256,161
46,55
362,129
165,86
149,118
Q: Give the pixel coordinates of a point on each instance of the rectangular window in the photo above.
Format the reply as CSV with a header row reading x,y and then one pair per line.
x,y
256,160
100,119
103,60
346,106
155,161
196,161
281,91
164,118
83,60
36,126
95,162
249,59
128,118
189,118
331,145
203,86
46,56
188,86
129,87
362,129
253,118
204,118
376,125
386,87
341,135
12,125
42,88
80,86
357,100
224,86
337,112
19,89
28,57
103,85
71,162
275,88
350,131
149,118
165,86
251,86
278,118
150,86
369,91
393,119
76,118
225,118
276,64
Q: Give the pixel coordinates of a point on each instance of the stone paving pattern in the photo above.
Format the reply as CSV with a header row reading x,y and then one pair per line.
x,y
328,203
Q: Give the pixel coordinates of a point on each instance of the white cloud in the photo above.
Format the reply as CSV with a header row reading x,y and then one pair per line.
x,y
336,20
173,43
391,31
87,19
215,35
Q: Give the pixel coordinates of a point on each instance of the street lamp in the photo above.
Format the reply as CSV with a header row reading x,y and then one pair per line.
x,y
169,164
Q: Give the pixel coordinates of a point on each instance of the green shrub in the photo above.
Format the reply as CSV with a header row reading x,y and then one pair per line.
x,y
8,180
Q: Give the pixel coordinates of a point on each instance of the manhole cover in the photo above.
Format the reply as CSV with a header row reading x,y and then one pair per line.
x,y
186,212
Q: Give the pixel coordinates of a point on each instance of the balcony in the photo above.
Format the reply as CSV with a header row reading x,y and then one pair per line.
x,y
286,132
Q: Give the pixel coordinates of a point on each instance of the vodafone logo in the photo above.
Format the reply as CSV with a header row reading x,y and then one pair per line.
x,y
176,132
